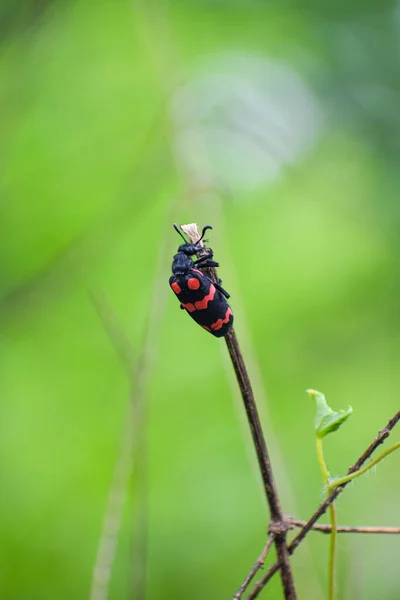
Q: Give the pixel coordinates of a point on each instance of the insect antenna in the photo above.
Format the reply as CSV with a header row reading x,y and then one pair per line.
x,y
180,232
202,233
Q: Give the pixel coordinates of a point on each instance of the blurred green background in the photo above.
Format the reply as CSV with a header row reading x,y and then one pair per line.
x,y
277,123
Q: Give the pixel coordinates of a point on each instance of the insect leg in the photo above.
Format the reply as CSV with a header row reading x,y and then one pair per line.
x,y
208,263
207,256
221,289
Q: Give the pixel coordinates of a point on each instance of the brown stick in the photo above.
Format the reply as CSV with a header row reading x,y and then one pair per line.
x,y
257,565
118,491
346,528
278,525
133,454
380,438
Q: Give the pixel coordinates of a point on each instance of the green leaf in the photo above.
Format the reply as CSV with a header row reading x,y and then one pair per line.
x,y
326,419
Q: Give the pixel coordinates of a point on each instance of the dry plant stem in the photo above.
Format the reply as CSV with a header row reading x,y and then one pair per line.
x,y
133,450
256,429
380,438
257,565
131,460
326,529
140,525
118,489
345,528
113,329
278,525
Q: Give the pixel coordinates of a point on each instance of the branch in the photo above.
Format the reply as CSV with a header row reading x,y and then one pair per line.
x,y
380,438
257,565
340,481
327,529
345,528
132,455
117,495
278,525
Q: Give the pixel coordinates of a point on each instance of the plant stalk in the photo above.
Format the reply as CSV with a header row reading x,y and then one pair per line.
x,y
347,478
323,507
278,525
332,519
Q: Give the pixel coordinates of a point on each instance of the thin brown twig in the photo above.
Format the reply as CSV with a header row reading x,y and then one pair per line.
x,y
278,525
380,438
257,565
345,528
124,462
114,330
132,458
131,461
327,529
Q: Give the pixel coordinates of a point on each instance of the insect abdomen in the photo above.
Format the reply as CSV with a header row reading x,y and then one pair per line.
x,y
203,301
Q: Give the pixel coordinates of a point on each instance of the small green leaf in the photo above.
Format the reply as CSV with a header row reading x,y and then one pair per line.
x,y
326,419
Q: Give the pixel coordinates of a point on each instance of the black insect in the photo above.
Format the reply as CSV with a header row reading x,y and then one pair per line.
x,y
202,298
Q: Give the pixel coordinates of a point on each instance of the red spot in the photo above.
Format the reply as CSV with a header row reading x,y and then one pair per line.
x,y
201,304
175,286
193,283
189,307
218,324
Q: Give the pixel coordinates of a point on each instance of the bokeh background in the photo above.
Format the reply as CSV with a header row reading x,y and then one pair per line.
x,y
277,123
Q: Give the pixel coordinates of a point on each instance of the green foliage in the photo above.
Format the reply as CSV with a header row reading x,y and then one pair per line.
x,y
87,174
326,419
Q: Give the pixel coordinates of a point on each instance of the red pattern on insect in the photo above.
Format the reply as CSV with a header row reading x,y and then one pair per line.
x,y
220,322
193,283
201,304
176,287
189,307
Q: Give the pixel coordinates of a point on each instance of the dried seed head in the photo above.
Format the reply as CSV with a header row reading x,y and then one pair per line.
x,y
192,231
